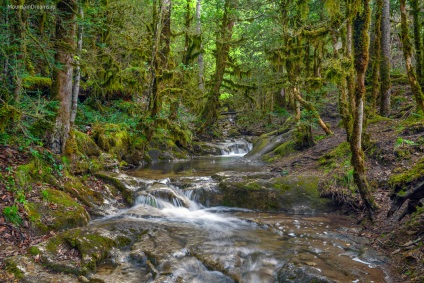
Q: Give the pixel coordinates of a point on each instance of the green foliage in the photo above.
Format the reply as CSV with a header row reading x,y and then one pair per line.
x,y
11,214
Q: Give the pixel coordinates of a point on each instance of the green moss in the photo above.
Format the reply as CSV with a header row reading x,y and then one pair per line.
x,y
12,267
336,156
34,250
61,212
34,83
83,193
401,181
36,170
281,151
376,119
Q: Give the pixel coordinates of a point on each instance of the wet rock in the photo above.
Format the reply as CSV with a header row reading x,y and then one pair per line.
x,y
162,192
127,185
289,273
291,194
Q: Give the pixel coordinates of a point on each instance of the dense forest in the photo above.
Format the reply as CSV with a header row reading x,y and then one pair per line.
x,y
94,85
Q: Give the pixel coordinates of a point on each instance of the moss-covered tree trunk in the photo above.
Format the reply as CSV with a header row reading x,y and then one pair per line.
x,y
407,52
62,85
361,26
385,88
199,33
18,38
209,114
376,57
417,41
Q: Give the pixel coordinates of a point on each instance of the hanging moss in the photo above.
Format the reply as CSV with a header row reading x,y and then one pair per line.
x,y
37,83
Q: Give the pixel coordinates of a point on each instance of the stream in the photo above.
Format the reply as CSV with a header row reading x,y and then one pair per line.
x,y
185,239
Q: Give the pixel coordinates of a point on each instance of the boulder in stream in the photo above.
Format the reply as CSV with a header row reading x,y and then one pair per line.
x,y
267,192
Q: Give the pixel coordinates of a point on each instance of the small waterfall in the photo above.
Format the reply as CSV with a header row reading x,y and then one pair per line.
x,y
235,148
163,195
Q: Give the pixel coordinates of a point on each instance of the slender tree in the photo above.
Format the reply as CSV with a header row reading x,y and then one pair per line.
x,y
417,42
407,53
199,33
385,88
209,114
361,24
62,85
76,86
376,56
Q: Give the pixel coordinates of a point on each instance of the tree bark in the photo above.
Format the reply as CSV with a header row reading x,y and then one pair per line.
x,y
375,95
385,88
200,56
209,114
361,42
62,87
407,53
314,112
417,42
76,87
19,40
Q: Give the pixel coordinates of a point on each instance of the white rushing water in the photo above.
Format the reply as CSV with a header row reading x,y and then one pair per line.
x,y
189,242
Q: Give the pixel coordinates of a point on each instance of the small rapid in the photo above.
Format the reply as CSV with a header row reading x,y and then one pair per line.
x,y
186,239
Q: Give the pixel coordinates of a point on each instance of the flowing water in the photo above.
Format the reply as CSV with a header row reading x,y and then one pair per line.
x,y
187,241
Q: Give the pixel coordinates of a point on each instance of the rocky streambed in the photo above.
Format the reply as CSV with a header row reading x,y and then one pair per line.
x,y
210,219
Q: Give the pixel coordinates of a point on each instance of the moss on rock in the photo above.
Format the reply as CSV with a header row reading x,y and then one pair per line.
x,y
58,213
294,194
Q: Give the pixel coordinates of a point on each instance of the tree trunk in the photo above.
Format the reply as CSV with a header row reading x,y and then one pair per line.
x,y
308,106
19,40
199,33
385,89
209,114
62,88
375,95
361,42
75,90
407,52
417,41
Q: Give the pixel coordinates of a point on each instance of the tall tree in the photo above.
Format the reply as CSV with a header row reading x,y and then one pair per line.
x,y
19,30
76,86
361,24
407,53
209,114
62,85
385,88
376,56
415,5
199,33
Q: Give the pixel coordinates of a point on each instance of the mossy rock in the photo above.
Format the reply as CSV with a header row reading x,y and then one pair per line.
x,y
126,192
83,193
281,151
35,170
292,194
112,139
91,247
86,145
205,149
58,212
269,147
